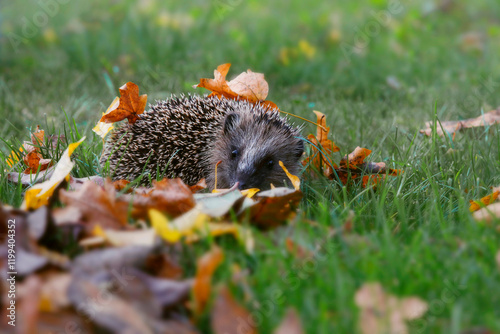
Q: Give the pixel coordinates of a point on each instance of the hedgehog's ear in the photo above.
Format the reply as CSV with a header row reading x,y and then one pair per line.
x,y
230,122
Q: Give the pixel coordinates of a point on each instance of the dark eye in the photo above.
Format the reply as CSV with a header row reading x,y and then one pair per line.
x,y
234,154
270,163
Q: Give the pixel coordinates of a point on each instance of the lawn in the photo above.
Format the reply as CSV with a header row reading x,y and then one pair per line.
x,y
378,69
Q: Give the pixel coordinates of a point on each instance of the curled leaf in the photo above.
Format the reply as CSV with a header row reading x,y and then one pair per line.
x,y
39,194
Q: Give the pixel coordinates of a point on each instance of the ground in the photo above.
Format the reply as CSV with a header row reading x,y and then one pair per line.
x,y
378,70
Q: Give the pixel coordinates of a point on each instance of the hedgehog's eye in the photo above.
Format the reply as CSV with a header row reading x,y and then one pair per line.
x,y
270,163
234,154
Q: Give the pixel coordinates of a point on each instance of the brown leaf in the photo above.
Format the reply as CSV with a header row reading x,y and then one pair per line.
x,y
451,127
130,105
354,165
383,313
121,184
273,207
35,162
202,287
170,196
98,205
319,160
290,324
163,265
248,86
230,317
200,185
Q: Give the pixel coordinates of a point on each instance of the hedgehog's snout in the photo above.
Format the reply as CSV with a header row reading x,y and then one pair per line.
x,y
245,178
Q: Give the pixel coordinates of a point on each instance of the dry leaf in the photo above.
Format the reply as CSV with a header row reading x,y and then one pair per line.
x,y
450,127
488,214
98,205
294,179
39,194
115,238
248,86
129,106
485,201
170,196
230,317
383,313
202,287
273,207
200,185
327,147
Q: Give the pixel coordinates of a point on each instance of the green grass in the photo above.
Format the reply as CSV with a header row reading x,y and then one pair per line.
x,y
414,234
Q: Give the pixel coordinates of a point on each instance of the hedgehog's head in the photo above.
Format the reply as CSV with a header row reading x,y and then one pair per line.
x,y
250,146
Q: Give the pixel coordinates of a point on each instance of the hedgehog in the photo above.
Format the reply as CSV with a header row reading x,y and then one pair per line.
x,y
187,136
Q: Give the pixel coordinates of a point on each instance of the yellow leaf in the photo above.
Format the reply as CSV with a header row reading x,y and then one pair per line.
x,y
39,194
14,157
250,192
295,179
183,226
102,128
160,223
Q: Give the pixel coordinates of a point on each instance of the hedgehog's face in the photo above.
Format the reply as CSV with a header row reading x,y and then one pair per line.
x,y
251,148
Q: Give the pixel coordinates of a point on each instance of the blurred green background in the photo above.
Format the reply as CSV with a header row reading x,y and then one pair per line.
x,y
388,61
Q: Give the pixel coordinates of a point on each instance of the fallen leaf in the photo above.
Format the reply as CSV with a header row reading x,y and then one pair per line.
x,y
383,313
205,268
115,238
103,128
129,106
450,127
14,157
294,179
170,196
273,207
248,86
200,185
230,317
488,214
40,194
322,147
354,165
290,324
98,205
485,201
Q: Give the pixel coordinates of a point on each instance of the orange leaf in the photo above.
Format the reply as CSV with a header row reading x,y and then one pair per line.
x,y
320,161
34,160
130,105
248,86
202,286
486,200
